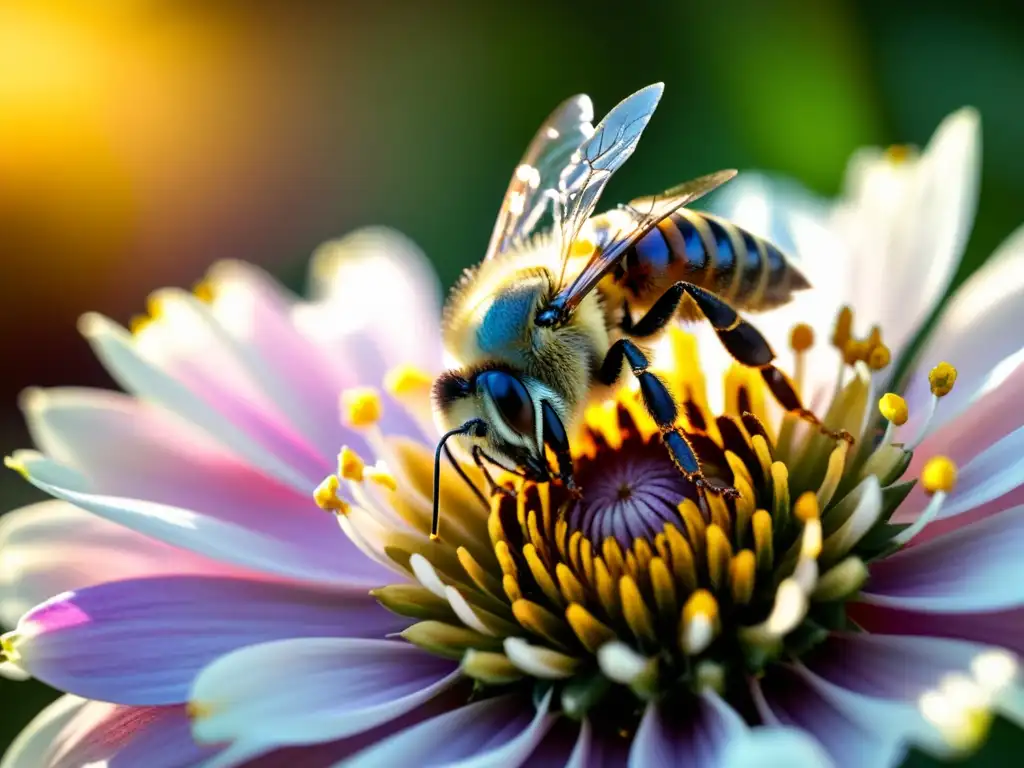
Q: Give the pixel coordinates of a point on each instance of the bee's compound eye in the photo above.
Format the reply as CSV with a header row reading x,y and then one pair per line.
x,y
511,399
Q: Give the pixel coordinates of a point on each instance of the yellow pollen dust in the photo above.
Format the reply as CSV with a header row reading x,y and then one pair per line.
x,y
327,498
350,465
361,406
939,475
801,338
941,378
870,350
893,408
137,323
406,380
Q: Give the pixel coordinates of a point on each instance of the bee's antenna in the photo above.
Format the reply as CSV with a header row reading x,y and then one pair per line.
x,y
472,426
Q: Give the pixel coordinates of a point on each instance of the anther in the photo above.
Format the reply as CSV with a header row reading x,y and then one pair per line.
x,y
137,323
879,357
898,154
361,406
801,338
700,622
938,478
843,329
204,291
350,465
893,408
327,498
939,475
17,465
405,380
941,378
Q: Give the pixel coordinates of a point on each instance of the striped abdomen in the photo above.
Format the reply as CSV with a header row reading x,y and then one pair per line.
x,y
747,271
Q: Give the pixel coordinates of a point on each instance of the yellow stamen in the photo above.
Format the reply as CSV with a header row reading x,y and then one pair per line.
x,y
541,575
327,498
942,378
380,475
17,465
683,565
361,406
893,408
664,588
350,465
806,507
801,338
699,622
137,323
879,357
762,524
591,632
843,329
741,576
635,610
569,585
898,154
406,380
205,291
939,475
719,555
693,520
834,473
780,495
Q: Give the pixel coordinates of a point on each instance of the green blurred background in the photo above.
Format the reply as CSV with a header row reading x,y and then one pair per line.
x,y
141,140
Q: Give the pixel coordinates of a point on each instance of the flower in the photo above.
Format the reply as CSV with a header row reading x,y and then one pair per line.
x,y
186,592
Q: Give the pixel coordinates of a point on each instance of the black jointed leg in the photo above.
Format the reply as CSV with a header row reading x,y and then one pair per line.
x,y
741,339
556,439
662,407
479,456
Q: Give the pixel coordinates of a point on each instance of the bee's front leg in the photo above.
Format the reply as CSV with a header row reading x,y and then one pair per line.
x,y
662,407
556,438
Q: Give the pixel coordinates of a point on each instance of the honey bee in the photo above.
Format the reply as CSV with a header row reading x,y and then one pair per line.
x,y
549,318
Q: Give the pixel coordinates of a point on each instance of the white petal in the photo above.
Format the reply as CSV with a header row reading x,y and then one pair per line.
x,y
308,691
775,747
939,216
202,534
499,732
375,281
33,746
621,663
978,333
52,547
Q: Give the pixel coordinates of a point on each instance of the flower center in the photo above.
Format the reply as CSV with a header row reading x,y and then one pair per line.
x,y
644,582
630,493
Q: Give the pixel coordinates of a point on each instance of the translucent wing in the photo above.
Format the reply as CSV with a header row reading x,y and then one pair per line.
x,y
537,176
645,212
584,179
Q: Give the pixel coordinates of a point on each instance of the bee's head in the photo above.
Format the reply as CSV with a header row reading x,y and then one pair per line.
x,y
509,408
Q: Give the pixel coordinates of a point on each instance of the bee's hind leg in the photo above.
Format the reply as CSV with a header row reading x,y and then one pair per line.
x,y
662,407
741,340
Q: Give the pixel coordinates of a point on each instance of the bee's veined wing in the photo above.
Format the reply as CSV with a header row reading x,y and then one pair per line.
x,y
646,213
536,178
590,168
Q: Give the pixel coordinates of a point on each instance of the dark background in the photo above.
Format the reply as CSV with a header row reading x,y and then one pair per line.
x,y
141,141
